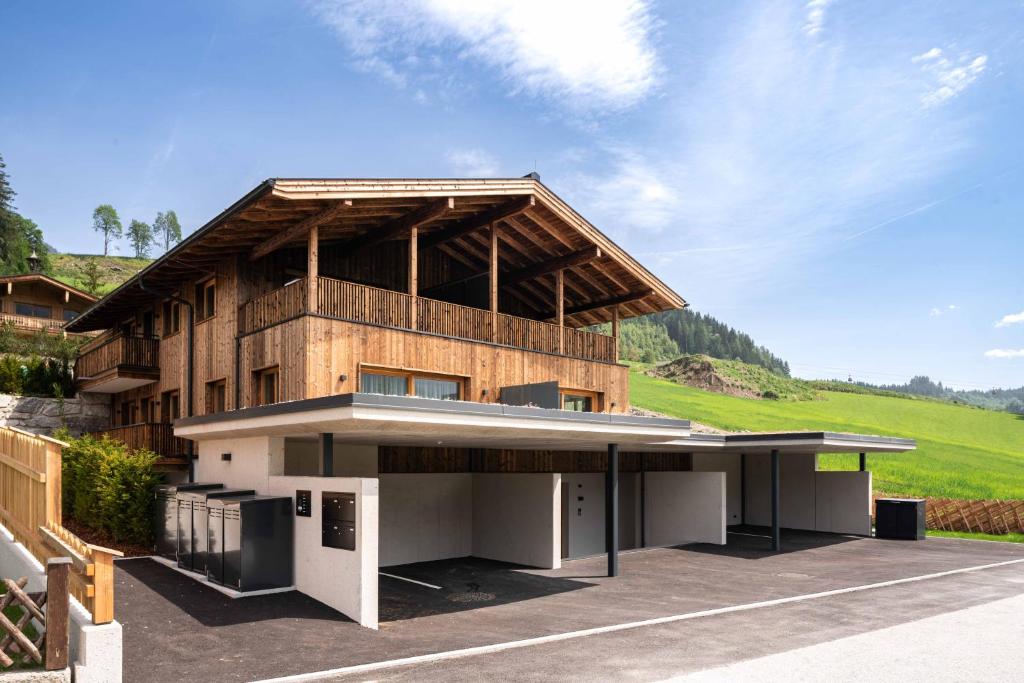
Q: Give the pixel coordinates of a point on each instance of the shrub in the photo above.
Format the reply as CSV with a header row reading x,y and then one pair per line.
x,y
11,376
108,487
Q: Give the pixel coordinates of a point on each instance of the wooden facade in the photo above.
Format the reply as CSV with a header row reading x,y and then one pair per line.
x,y
299,289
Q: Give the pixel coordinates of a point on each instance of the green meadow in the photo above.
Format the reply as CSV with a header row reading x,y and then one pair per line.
x,y
962,452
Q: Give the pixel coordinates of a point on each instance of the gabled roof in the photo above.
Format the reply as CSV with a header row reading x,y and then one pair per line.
x,y
537,227
46,279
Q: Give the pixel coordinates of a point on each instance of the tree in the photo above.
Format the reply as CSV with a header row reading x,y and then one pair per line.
x,y
167,228
92,277
106,220
141,237
6,192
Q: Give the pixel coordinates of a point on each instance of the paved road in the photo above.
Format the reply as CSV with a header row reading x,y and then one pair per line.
x,y
844,637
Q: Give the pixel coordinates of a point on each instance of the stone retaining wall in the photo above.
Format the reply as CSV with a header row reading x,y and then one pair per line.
x,y
85,413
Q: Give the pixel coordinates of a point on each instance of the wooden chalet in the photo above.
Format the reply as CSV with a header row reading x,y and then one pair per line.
x,y
34,302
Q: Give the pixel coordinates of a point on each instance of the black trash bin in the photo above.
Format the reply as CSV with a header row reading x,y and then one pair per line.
x,y
900,518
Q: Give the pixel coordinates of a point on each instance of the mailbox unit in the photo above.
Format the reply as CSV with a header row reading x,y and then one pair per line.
x,y
339,520
192,531
166,515
251,542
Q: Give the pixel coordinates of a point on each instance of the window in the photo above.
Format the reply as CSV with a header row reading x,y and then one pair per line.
x,y
69,315
172,318
170,406
146,410
33,310
128,416
216,396
400,383
579,401
206,297
265,385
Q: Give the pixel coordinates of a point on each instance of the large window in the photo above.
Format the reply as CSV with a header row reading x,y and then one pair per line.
x,y
206,298
69,315
216,396
171,317
32,310
579,401
402,383
266,386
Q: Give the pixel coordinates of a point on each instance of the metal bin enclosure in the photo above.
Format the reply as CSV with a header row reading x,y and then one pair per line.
x,y
192,525
165,515
251,542
339,520
900,518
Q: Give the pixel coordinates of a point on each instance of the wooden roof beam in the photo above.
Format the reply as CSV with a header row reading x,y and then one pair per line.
x,y
604,303
477,221
401,226
551,265
300,229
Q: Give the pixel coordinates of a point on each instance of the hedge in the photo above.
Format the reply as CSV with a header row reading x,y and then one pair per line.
x,y
109,487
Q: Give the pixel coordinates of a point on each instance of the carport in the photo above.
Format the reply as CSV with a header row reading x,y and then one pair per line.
x,y
775,480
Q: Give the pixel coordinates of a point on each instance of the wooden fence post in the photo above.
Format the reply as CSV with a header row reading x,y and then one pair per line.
x,y
57,606
103,580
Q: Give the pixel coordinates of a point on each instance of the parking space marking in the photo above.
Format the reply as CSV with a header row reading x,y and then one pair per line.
x,y
571,635
402,578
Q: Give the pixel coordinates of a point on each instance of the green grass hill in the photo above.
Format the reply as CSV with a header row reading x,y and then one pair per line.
x,y
112,270
963,452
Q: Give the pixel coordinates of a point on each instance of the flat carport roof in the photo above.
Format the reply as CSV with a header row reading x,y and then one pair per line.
x,y
790,442
402,420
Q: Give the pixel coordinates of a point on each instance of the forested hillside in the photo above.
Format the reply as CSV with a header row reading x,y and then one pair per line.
x,y
666,336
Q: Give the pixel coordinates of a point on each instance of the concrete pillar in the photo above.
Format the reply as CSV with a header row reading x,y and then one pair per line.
x,y
611,509
776,535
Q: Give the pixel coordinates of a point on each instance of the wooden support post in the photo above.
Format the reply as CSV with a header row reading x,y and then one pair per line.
x,y
103,582
413,274
560,308
494,281
615,331
313,270
57,607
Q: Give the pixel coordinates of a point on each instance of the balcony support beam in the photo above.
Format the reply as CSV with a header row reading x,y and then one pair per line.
x,y
493,297
313,269
414,274
615,331
560,308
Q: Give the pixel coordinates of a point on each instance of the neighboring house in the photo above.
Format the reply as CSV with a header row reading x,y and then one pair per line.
x,y
34,302
423,346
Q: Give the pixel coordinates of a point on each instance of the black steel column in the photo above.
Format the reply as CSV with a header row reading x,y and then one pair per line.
x,y
611,509
863,462
643,500
327,454
776,536
743,488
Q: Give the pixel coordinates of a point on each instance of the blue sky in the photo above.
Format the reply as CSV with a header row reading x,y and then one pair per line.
x,y
841,180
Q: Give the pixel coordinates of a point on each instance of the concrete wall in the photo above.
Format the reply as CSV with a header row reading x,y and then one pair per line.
x,y
730,464
425,517
85,413
250,463
95,650
345,580
843,502
685,507
516,518
837,502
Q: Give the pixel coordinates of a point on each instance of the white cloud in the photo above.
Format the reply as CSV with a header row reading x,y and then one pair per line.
x,y
948,77
935,312
473,163
815,19
1005,353
1011,319
579,53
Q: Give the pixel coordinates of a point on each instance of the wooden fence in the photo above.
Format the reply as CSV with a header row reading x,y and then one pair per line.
x,y
26,627
977,516
30,508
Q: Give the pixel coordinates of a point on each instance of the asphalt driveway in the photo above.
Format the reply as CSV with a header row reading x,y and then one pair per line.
x,y
175,627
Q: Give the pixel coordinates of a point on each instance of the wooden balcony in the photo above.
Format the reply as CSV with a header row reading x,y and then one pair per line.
x,y
374,306
157,437
117,362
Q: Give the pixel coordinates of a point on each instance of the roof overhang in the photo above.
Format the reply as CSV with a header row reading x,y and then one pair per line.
x,y
406,421
787,443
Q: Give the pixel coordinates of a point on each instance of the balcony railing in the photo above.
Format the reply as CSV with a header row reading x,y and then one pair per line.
x,y
153,436
118,351
375,306
27,322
